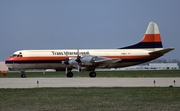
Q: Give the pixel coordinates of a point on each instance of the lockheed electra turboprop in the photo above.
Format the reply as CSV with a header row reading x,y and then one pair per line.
x,y
149,48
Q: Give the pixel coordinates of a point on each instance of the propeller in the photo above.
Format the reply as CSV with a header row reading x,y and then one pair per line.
x,y
78,60
66,61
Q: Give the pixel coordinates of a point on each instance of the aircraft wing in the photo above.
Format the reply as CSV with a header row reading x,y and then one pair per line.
x,y
107,60
163,51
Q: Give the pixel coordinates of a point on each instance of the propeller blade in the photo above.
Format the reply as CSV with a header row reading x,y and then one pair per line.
x,y
66,62
66,54
78,67
66,69
78,52
78,60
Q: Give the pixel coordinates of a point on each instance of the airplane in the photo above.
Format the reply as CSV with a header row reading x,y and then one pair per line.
x,y
149,48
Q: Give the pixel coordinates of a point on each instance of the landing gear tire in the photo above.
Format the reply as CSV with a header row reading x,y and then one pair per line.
x,y
23,75
69,74
92,74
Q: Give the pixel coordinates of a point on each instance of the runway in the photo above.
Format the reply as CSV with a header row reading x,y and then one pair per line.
x,y
87,82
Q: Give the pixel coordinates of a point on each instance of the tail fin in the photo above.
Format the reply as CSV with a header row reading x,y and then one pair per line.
x,y
151,39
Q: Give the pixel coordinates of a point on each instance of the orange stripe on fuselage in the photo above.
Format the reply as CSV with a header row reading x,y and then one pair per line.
x,y
151,38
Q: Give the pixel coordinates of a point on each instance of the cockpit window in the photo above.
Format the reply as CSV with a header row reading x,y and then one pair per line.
x,y
17,55
14,55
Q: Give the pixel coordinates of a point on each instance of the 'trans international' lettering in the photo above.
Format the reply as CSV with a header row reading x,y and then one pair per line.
x,y
70,53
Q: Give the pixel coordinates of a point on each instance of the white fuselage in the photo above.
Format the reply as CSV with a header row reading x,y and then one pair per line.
x,y
52,59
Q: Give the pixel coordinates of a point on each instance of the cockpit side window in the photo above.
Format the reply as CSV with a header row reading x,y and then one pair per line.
x,y
17,55
20,54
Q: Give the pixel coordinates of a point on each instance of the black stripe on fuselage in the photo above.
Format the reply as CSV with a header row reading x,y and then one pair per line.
x,y
141,45
59,61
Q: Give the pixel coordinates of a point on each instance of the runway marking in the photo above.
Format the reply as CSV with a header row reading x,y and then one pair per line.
x,y
88,82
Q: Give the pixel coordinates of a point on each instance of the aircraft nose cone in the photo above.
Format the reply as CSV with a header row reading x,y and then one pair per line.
x,y
9,62
6,61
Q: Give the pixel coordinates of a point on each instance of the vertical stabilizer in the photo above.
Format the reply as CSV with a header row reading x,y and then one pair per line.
x,y
152,38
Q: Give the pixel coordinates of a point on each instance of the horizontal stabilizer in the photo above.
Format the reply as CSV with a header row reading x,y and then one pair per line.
x,y
163,51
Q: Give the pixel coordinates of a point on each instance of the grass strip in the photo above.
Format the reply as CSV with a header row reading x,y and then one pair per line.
x,y
129,73
90,99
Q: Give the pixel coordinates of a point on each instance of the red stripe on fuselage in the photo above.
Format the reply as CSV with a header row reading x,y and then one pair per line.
x,y
37,58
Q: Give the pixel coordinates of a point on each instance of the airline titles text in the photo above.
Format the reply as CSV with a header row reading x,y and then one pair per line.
x,y
69,53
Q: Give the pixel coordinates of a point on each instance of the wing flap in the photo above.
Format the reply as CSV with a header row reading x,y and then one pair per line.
x,y
108,60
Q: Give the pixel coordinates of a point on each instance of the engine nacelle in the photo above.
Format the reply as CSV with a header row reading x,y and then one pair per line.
x,y
72,61
87,60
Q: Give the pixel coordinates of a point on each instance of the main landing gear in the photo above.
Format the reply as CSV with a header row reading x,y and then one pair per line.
x,y
69,74
23,75
91,74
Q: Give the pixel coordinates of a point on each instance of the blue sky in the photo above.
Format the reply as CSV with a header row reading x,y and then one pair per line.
x,y
85,24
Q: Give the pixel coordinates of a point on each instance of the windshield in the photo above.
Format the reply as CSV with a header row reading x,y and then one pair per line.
x,y
14,55
17,55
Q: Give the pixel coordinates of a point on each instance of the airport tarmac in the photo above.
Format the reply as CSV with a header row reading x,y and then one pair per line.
x,y
87,82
